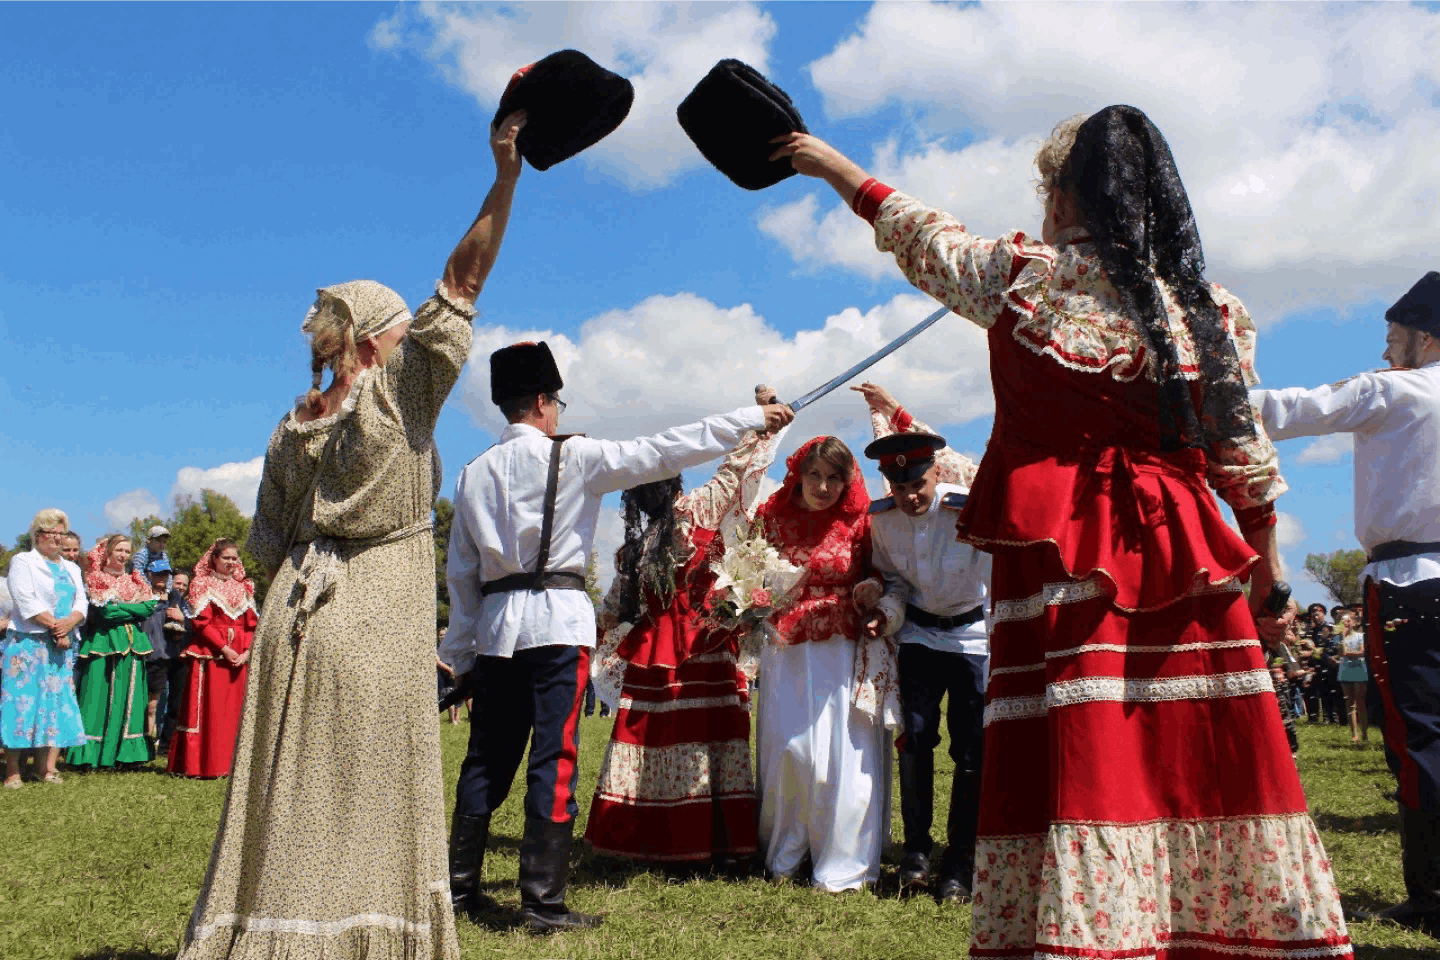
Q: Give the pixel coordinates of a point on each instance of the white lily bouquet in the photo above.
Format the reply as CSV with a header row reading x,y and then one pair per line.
x,y
752,580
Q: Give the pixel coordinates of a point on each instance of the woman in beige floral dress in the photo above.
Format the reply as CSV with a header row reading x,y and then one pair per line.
x,y
332,843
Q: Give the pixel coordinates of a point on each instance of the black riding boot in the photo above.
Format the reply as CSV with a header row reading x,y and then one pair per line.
x,y
1420,864
544,867
917,809
468,836
957,867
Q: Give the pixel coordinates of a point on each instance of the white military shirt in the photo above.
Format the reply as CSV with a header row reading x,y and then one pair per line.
x,y
924,565
1395,417
499,508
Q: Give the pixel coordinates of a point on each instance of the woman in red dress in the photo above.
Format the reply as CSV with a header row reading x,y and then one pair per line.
x,y
676,785
224,624
1138,796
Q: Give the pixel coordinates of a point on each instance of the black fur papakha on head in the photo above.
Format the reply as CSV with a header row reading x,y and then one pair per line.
x,y
1419,309
1122,176
904,457
523,370
647,557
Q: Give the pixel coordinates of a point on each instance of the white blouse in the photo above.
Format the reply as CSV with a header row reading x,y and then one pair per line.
x,y
32,590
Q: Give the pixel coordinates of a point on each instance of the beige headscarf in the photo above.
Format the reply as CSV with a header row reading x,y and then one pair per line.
x,y
373,307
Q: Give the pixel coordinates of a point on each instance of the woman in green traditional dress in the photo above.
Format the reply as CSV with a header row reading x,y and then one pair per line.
x,y
110,672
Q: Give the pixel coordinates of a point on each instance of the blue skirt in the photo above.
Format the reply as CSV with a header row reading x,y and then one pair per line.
x,y
37,693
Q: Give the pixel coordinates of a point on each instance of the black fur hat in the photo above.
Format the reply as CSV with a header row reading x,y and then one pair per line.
x,y
572,103
1420,307
732,115
522,370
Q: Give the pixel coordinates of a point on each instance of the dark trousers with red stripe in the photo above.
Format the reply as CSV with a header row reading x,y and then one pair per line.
x,y
535,695
1403,651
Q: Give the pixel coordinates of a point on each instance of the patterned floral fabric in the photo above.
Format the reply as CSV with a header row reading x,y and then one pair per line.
x,y
37,693
1160,886
351,821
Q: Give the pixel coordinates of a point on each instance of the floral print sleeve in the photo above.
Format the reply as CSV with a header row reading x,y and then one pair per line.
x,y
1244,473
705,508
975,277
427,364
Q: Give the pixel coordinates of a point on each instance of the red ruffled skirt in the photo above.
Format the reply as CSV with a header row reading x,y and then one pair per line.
x,y
1138,798
676,783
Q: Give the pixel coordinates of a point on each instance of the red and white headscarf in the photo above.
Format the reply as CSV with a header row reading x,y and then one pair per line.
x,y
233,595
104,587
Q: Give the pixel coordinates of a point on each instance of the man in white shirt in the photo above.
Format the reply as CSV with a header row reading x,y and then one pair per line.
x,y
521,623
934,603
1395,417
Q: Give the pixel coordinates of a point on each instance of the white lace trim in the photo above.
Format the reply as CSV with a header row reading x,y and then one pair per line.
x,y
1151,648
1127,690
1197,687
219,602
672,706
1073,591
1052,594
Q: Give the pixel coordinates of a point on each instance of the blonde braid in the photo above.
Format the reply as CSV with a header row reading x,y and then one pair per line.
x,y
332,344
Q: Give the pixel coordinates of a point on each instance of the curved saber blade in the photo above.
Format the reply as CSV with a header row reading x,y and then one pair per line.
x,y
871,360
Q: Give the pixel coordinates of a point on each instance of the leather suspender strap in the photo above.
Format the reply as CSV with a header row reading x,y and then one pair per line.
x,y
540,578
547,525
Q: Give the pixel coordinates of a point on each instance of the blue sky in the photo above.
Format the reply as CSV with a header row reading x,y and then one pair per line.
x,y
178,179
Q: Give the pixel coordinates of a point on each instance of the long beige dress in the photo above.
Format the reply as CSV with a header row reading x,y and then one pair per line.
x,y
333,841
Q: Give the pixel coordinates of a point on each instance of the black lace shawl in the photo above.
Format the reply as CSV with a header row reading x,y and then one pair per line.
x,y
647,558
1123,177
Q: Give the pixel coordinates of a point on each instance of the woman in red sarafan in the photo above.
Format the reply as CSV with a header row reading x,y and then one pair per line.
x,y
224,624
1138,797
676,784
826,695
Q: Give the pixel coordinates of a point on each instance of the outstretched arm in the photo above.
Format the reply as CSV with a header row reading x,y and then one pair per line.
x,y
813,157
470,263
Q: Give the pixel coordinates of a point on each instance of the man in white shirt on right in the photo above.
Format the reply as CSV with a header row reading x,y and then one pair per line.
x,y
934,603
1395,417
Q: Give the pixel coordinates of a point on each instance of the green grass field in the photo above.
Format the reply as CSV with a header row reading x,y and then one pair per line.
x,y
108,866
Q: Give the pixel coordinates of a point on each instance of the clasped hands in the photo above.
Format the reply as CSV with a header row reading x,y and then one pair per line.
x,y
866,597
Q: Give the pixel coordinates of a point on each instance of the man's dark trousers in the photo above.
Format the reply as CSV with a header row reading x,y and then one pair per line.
x,y
538,691
927,675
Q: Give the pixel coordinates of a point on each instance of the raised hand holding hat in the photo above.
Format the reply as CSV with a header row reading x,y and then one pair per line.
x,y
732,116
570,103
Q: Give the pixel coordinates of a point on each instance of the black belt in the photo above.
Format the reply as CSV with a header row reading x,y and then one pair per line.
x,y
1398,549
923,618
553,580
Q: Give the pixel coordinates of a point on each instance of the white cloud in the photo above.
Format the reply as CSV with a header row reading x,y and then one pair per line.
x,y
1306,133
672,359
1289,531
663,49
238,481
120,510
1328,449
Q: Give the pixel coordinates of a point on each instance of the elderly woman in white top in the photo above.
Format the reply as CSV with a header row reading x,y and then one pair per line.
x,y
37,695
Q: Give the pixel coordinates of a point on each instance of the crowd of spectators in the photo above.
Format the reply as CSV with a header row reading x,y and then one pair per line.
x,y
53,618
1319,670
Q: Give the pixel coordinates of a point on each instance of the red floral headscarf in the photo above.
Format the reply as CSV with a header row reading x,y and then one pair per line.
x,y
233,596
103,587
832,545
